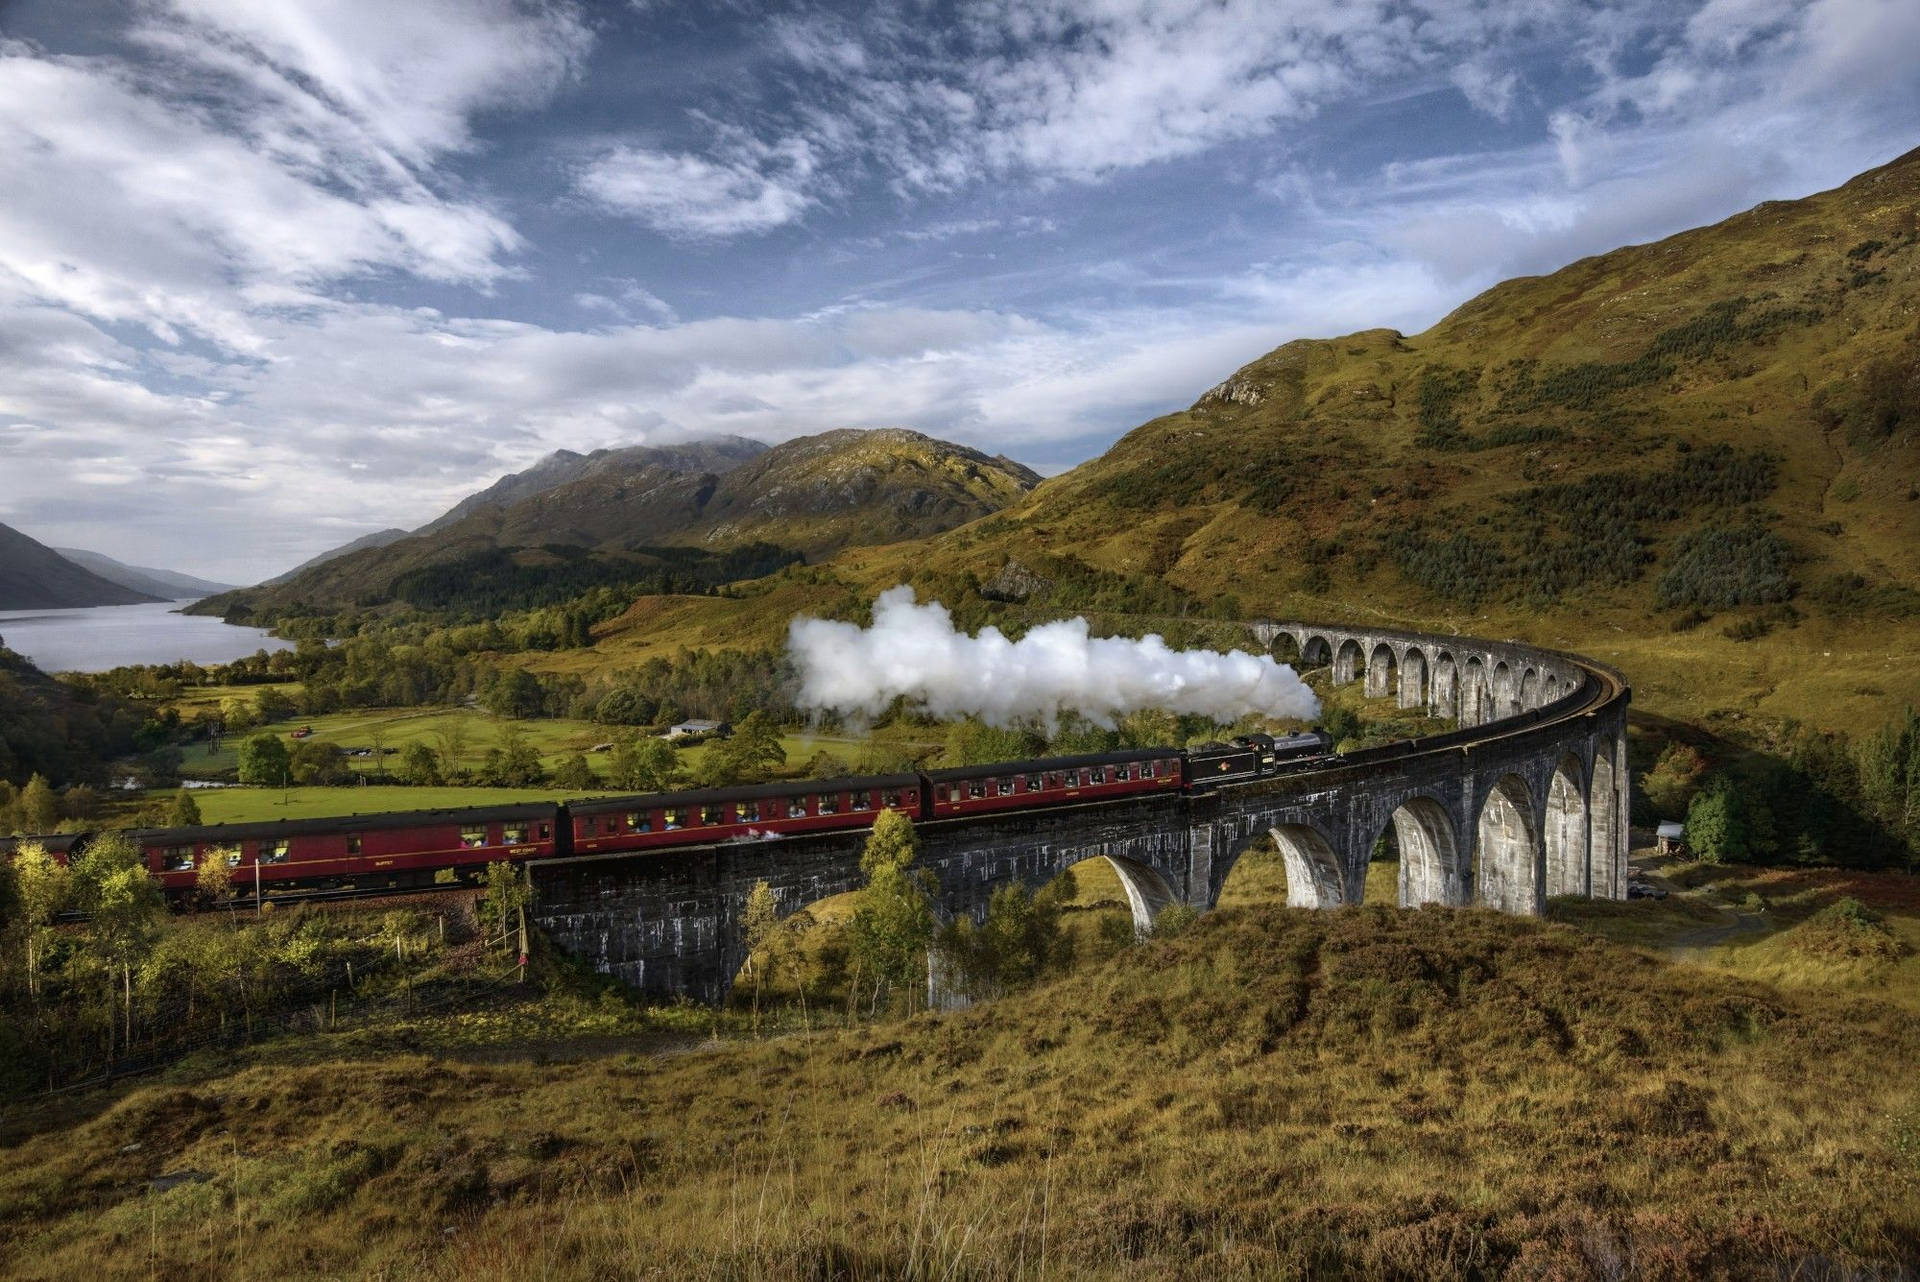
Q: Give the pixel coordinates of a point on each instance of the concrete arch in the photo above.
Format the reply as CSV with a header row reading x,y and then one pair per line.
x,y
1474,697
1413,678
1285,648
1606,877
1314,875
1550,691
1430,865
1506,849
1148,893
1505,688
1316,652
1566,829
1446,686
1347,661
1529,689
1383,669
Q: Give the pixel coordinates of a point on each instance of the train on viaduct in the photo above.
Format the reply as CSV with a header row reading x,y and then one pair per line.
x,y
1524,799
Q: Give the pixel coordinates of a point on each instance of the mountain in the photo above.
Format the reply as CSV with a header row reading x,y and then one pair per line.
x,y
733,509
378,539
166,584
35,577
563,466
1727,421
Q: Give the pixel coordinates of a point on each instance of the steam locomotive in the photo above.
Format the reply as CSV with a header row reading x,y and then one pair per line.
x,y
417,848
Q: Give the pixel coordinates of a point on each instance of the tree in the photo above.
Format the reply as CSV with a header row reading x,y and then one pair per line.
x,y
507,894
514,762
185,812
39,809
1889,763
1717,824
45,887
452,738
893,918
644,764
122,902
9,807
1019,941
420,765
626,706
318,761
575,774
1674,779
215,875
749,755
759,928
273,704
517,693
263,760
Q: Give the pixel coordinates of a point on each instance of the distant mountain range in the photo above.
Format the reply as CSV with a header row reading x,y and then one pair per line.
x,y
165,584
616,508
35,577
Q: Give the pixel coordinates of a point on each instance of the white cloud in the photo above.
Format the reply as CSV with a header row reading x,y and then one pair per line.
x,y
690,196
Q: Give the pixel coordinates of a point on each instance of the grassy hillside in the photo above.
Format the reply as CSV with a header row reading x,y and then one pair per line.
x,y
1363,1093
642,517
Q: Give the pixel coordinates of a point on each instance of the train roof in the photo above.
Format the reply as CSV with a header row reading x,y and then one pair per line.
x,y
1039,765
268,828
742,792
54,843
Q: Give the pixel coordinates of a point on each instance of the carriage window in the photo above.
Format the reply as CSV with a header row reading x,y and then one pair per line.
x,y
177,858
675,818
1033,783
233,857
474,838
711,815
353,843
890,798
586,825
796,808
955,793
1054,779
1098,775
637,820
514,834
748,811
273,852
546,831
863,801
1004,786
829,803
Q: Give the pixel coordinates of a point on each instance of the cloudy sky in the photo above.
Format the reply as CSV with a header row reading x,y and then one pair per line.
x,y
276,274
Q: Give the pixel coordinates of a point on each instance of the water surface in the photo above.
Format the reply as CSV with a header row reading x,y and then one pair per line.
x,y
113,636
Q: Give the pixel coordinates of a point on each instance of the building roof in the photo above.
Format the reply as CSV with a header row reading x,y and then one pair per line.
x,y
1671,830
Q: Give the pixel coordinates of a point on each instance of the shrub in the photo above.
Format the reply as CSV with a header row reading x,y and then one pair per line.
x,y
1848,928
1719,569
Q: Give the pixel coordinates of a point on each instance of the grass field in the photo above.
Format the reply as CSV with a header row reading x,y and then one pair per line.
x,y
1274,1093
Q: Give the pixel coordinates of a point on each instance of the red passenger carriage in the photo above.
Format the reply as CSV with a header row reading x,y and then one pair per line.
x,y
745,813
395,850
969,790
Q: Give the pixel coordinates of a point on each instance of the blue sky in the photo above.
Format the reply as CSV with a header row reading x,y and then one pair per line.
x,y
275,275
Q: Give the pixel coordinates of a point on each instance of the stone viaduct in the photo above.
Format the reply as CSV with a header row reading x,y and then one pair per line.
x,y
1525,799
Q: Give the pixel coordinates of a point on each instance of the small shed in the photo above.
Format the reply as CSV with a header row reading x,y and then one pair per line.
x,y
686,728
1671,838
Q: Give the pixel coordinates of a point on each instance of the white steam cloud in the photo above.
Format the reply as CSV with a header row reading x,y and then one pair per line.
x,y
915,651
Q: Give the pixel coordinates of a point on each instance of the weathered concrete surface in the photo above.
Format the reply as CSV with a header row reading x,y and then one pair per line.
x,y
1502,816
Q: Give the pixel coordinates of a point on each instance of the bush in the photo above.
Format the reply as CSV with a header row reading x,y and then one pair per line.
x,y
1848,928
